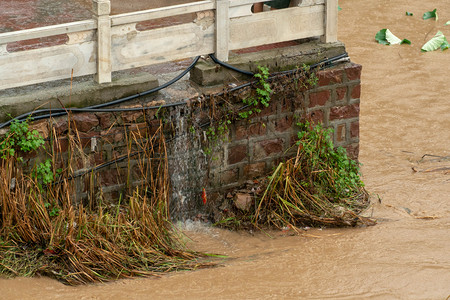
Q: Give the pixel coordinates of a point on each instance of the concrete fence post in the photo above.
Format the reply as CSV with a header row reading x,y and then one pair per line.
x,y
330,22
222,29
102,10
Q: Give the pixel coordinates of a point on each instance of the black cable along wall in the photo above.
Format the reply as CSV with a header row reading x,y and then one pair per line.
x,y
49,113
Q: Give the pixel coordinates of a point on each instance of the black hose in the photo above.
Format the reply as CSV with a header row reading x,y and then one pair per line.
x,y
322,64
228,66
96,108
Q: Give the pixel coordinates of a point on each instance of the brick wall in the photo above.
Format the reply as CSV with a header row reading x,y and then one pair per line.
x,y
253,146
257,144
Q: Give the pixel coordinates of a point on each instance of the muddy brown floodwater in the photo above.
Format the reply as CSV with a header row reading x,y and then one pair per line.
x,y
405,114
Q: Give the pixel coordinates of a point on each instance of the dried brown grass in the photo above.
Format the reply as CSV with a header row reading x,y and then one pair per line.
x,y
43,230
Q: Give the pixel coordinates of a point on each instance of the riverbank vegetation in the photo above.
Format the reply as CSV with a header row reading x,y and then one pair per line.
x,y
46,230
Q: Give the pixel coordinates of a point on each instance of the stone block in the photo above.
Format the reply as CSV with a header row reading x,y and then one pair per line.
x,y
319,98
85,122
344,112
267,148
316,116
237,154
229,176
354,129
254,170
353,71
341,92
207,73
243,201
352,151
356,92
246,131
105,120
329,77
284,124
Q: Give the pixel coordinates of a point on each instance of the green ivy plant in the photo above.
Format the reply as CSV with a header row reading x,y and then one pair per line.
x,y
263,93
20,138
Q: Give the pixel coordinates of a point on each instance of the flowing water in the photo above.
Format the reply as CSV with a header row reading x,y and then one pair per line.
x,y
405,114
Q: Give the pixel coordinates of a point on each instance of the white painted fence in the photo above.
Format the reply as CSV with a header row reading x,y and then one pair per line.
x,y
111,42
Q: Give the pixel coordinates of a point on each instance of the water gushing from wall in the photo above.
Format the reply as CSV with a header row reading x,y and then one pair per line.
x,y
187,169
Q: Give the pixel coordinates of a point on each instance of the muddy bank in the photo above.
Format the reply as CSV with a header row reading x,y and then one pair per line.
x,y
404,115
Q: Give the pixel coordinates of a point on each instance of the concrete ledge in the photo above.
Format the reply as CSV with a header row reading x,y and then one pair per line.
x,y
82,92
207,73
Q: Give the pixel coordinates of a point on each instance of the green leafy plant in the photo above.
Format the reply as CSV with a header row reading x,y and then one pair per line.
x,y
20,138
43,172
263,92
316,144
409,14
320,186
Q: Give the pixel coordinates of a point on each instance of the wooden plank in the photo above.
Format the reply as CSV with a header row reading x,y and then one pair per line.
x,y
222,29
330,22
14,36
162,12
135,49
276,26
46,64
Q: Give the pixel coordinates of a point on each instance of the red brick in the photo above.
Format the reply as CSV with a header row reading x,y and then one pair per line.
x,y
344,112
139,129
328,77
266,148
105,120
110,177
154,126
229,176
354,129
267,111
315,116
85,122
319,98
352,151
353,72
254,170
61,145
132,116
340,133
356,92
340,93
256,129
284,124
114,135
61,126
237,154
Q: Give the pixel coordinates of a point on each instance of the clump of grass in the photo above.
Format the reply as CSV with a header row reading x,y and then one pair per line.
x,y
320,186
43,230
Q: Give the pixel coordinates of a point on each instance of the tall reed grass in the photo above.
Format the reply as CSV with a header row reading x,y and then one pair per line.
x,y
44,230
